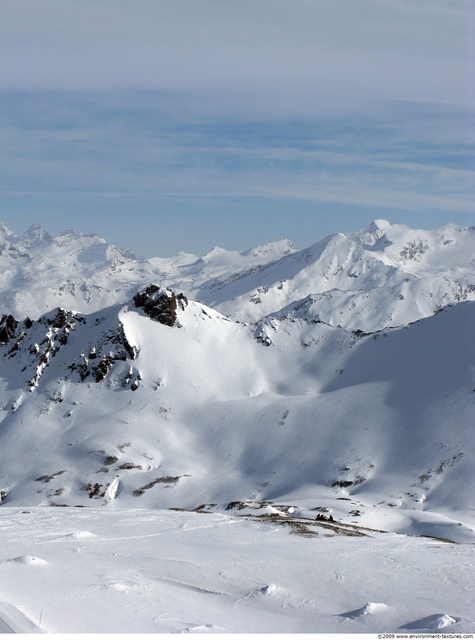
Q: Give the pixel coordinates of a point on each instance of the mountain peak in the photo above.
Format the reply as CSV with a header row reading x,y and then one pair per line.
x,y
215,251
36,234
4,230
279,248
378,225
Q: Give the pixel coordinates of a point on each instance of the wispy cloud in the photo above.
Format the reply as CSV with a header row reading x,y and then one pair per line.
x,y
186,106
246,57
97,148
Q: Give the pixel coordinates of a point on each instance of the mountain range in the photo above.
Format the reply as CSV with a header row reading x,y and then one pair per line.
x,y
382,276
336,379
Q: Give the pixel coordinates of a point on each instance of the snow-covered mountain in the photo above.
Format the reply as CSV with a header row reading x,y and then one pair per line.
x,y
340,372
39,272
193,413
382,276
166,403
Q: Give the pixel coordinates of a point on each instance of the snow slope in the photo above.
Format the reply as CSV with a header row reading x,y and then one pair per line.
x,y
213,411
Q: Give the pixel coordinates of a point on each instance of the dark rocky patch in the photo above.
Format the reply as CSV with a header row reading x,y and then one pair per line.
x,y
48,478
8,326
160,304
96,490
169,480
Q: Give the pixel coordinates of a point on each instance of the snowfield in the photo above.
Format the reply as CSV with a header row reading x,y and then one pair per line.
x,y
282,441
139,571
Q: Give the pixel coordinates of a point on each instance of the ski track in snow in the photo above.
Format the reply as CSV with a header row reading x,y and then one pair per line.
x,y
13,620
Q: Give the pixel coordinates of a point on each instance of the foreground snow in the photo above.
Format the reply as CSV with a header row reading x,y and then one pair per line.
x,y
124,570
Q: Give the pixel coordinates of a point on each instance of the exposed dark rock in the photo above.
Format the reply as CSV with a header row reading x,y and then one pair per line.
x,y
16,344
129,465
60,320
321,518
96,490
103,368
113,346
121,339
163,480
48,478
361,334
237,504
8,326
160,304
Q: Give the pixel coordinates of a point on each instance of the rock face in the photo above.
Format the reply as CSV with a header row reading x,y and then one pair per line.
x,y
160,304
8,326
95,345
82,347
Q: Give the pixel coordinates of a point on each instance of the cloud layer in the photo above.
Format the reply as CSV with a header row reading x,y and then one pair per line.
x,y
236,115
280,56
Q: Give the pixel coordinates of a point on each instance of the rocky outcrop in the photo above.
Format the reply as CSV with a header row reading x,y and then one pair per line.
x,y
160,304
8,326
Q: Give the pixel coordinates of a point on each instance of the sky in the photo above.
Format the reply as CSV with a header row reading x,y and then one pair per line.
x,y
179,125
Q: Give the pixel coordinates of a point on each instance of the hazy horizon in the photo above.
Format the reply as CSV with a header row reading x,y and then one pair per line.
x,y
177,126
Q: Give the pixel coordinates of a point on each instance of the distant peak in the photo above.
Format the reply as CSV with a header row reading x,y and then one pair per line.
x,y
35,234
215,251
4,230
378,225
281,247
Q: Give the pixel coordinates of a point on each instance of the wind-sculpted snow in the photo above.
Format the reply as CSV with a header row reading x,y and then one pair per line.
x,y
164,571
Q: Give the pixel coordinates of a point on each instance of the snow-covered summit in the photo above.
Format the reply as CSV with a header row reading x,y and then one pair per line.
x,y
272,249
34,235
4,231
378,225
383,275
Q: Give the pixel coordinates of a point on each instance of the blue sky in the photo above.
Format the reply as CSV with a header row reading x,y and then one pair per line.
x,y
182,124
